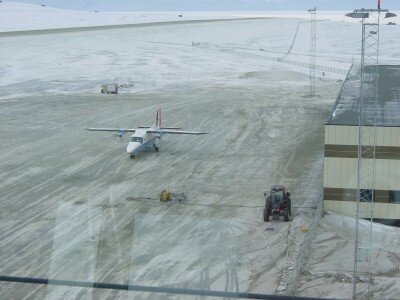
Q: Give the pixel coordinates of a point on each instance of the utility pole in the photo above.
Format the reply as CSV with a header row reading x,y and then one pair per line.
x,y
364,202
313,48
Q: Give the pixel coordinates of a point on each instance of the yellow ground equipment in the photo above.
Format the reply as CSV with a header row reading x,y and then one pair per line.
x,y
165,196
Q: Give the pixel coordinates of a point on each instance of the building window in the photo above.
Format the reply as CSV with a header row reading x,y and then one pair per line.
x,y
366,195
394,196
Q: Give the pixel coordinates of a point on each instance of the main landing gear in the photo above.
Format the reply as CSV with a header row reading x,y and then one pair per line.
x,y
156,148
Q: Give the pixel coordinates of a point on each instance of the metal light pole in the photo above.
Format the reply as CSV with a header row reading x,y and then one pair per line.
x,y
313,48
366,142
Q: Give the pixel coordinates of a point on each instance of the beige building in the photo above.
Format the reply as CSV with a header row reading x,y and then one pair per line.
x,y
341,145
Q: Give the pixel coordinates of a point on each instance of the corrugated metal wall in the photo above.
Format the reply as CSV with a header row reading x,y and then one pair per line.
x,y
348,135
341,172
381,210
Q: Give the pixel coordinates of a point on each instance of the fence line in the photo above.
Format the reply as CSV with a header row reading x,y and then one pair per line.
x,y
285,61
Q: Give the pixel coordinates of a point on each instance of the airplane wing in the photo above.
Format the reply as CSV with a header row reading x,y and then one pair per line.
x,y
113,129
166,131
174,128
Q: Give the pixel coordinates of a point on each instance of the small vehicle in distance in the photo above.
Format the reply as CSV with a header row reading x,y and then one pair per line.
x,y
277,203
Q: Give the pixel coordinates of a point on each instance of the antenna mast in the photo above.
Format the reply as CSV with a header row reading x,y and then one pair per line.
x,y
313,48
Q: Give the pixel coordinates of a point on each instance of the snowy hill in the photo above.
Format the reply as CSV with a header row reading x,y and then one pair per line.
x,y
210,5
15,16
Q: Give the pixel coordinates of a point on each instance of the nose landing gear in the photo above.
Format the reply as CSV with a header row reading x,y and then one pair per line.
x,y
132,156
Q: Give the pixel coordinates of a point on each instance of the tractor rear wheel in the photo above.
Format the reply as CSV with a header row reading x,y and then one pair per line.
x,y
286,216
266,215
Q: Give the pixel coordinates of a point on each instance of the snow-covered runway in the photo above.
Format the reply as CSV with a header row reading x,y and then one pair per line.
x,y
75,207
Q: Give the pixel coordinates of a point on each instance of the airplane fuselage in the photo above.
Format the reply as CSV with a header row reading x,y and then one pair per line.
x,y
141,140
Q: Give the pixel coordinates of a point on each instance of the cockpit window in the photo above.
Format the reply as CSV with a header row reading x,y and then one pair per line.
x,y
137,139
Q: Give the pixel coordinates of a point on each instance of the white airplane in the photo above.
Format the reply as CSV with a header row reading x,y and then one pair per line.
x,y
146,137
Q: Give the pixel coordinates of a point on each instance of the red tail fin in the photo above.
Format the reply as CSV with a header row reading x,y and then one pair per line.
x,y
158,117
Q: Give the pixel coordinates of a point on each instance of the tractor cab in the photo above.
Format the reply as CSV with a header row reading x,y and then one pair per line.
x,y
277,199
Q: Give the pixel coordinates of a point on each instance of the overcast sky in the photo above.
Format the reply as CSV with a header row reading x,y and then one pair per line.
x,y
212,5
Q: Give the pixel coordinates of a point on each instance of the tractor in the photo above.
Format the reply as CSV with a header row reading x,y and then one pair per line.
x,y
277,203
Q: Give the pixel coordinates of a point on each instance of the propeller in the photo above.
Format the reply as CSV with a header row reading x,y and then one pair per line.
x,y
121,132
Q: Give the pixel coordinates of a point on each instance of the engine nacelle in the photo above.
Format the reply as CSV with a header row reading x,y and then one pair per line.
x,y
121,132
